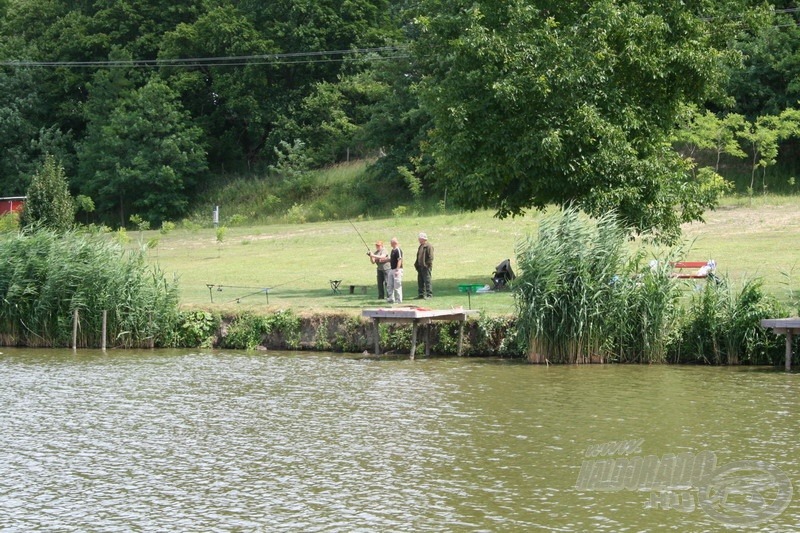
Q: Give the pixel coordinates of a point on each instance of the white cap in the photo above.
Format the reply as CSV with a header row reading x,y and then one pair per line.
x,y
423,236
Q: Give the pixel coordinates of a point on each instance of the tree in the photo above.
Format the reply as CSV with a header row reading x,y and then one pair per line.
x,y
144,158
397,128
707,132
232,104
48,202
16,130
762,138
248,107
768,81
543,102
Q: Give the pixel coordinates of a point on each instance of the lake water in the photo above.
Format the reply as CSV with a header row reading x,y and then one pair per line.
x,y
232,441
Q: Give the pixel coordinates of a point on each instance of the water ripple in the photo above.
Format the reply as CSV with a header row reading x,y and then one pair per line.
x,y
159,441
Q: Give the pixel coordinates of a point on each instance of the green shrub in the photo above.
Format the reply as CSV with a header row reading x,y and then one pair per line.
x,y
9,222
446,338
287,324
497,335
297,214
348,336
246,332
191,225
196,329
167,227
237,220
49,203
395,337
321,338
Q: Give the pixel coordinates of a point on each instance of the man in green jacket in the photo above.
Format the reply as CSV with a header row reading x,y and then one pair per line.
x,y
424,265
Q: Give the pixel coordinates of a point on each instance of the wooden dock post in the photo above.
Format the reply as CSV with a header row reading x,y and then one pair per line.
x,y
417,317
375,322
784,326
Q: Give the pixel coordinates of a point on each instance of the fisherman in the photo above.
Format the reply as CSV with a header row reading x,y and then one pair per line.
x,y
424,266
380,258
394,283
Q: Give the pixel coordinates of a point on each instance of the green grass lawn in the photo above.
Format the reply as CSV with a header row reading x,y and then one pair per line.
x,y
296,262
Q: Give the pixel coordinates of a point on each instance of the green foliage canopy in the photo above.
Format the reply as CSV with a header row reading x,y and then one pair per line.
x,y
545,102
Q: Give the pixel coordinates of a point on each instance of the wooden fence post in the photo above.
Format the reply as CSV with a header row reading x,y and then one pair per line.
x,y
105,323
75,329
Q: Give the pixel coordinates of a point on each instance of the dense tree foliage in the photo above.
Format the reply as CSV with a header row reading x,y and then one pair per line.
x,y
144,157
236,80
768,81
508,105
553,104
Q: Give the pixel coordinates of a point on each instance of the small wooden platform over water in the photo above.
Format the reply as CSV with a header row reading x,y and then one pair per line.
x,y
417,316
785,326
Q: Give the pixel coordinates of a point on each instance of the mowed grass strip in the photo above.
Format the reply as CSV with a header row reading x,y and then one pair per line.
x,y
296,262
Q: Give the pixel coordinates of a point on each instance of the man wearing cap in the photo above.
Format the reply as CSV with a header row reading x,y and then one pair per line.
x,y
424,265
380,257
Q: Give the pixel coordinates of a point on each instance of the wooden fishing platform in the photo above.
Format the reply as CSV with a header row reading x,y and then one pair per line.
x,y
417,316
785,326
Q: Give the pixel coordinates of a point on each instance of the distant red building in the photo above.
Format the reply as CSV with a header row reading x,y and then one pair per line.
x,y
11,204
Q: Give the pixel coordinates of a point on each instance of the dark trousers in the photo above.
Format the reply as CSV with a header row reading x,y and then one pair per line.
x,y
382,283
424,282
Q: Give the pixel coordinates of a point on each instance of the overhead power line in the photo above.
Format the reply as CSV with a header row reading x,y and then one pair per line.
x,y
291,58
323,56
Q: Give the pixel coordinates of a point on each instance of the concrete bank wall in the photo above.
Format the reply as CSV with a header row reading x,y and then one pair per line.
x,y
483,336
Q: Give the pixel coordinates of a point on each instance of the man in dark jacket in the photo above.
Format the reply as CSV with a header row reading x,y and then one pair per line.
x,y
424,266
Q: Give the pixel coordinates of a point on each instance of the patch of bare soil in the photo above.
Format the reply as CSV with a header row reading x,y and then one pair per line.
x,y
745,219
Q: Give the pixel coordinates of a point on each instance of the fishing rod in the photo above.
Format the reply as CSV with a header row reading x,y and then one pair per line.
x,y
264,290
369,250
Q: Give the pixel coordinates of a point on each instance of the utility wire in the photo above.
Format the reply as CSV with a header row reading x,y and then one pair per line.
x,y
291,58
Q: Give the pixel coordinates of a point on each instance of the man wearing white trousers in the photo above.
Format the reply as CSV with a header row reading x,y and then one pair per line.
x,y
394,282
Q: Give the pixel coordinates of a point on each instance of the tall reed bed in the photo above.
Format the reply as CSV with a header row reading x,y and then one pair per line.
x,y
45,276
585,294
721,325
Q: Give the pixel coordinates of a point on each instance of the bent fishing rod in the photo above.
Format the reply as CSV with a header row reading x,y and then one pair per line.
x,y
369,250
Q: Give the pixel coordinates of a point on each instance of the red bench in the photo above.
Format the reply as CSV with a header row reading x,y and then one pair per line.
x,y
703,269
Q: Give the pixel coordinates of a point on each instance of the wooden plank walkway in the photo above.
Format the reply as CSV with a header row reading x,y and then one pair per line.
x,y
785,326
417,316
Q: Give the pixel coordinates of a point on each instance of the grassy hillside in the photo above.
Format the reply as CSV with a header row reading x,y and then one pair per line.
x,y
332,193
747,238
